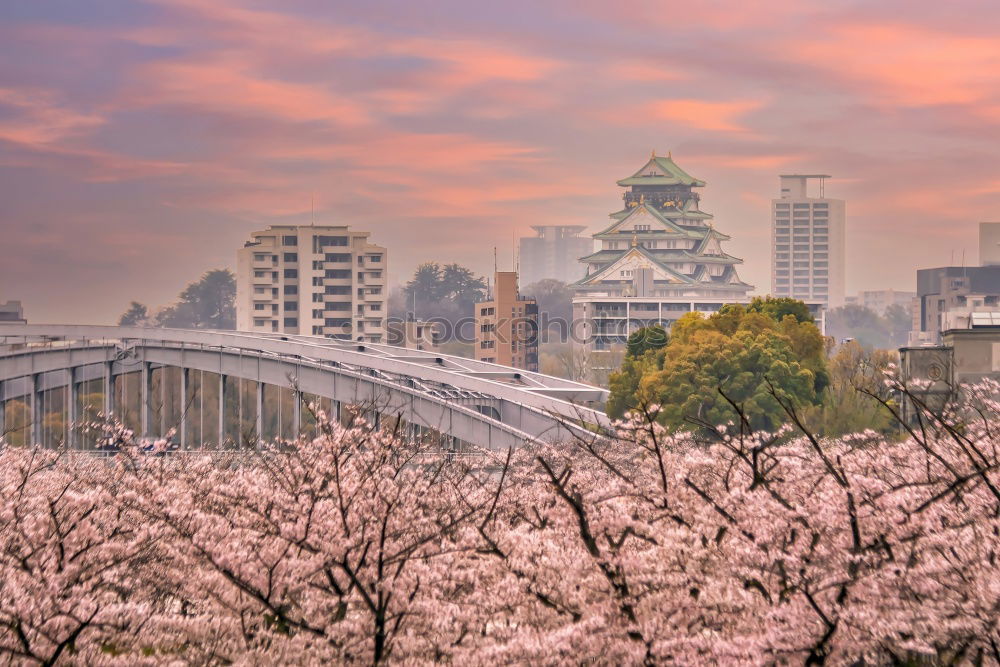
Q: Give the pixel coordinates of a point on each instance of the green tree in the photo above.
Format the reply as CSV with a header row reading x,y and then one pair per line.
x,y
136,315
555,300
778,307
209,303
645,339
748,354
449,292
845,407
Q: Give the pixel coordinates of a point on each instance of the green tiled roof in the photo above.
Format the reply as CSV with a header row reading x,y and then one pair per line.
x,y
648,255
667,222
674,174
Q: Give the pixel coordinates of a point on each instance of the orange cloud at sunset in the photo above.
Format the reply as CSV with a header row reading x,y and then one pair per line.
x,y
703,114
446,128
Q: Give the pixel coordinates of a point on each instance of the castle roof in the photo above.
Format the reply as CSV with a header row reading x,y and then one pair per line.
x,y
661,171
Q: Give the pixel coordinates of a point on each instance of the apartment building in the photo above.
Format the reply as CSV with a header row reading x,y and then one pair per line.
x,y
312,280
507,326
553,253
807,242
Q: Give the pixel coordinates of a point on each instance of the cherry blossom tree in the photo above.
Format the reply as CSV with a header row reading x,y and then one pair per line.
x,y
727,546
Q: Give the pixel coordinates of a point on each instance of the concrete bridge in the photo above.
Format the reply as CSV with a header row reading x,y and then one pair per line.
x,y
226,387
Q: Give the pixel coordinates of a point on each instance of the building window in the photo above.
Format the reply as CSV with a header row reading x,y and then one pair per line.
x,y
337,257
291,256
317,281
487,311
486,344
259,306
375,274
260,323
317,331
318,314
375,306
317,298
375,258
338,274
289,240
317,265
291,321
338,289
291,289
339,305
291,273
322,241
260,257
291,305
260,274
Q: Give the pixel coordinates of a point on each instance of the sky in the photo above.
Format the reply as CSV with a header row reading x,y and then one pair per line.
x,y
141,141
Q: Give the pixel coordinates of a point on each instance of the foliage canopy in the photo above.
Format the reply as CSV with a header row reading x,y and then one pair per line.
x,y
741,352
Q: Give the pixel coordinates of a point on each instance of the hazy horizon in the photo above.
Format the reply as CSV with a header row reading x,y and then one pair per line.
x,y
141,142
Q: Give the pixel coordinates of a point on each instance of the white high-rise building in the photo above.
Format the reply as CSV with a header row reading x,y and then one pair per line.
x,y
554,253
313,280
807,242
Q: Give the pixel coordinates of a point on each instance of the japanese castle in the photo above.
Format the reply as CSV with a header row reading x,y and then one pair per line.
x,y
660,257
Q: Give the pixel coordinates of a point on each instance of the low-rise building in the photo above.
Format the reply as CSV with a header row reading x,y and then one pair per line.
x,y
879,300
507,325
947,292
968,353
314,280
11,312
415,334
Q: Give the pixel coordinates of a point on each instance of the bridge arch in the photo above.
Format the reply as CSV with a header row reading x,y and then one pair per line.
x,y
465,400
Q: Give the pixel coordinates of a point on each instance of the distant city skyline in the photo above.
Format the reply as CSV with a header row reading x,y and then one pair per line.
x,y
447,129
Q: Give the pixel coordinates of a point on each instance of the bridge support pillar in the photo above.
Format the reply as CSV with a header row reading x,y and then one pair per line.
x,y
72,408
184,407
109,390
144,390
3,410
259,421
222,408
296,413
37,411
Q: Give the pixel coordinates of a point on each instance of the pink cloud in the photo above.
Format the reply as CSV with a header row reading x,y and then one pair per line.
x,y
704,114
903,64
38,119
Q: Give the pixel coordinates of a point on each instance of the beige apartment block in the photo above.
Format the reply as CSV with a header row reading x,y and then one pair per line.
x,y
507,326
312,280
